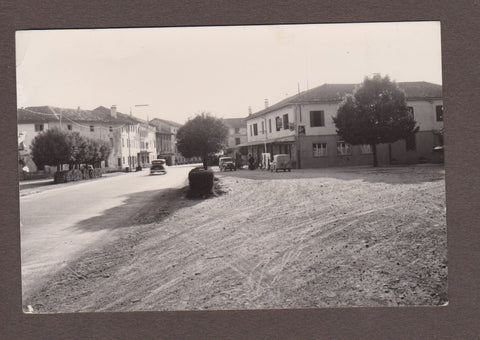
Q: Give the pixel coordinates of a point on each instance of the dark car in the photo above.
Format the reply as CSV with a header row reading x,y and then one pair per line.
x,y
158,169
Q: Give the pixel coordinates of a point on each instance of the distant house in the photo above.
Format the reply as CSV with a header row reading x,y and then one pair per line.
x,y
302,127
166,137
237,135
131,139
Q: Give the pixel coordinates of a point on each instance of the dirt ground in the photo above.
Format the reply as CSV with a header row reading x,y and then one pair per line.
x,y
308,238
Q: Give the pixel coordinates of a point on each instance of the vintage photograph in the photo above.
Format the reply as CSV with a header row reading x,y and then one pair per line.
x,y
231,167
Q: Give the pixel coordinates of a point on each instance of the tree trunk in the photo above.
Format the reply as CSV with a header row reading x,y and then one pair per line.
x,y
204,161
375,161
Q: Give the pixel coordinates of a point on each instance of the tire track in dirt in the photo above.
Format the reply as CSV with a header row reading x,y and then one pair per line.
x,y
328,242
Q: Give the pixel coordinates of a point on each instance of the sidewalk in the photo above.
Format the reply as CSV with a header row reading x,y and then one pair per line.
x,y
28,186
36,185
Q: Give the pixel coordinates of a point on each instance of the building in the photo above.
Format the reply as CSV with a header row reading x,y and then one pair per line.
x,y
302,127
166,136
132,140
237,134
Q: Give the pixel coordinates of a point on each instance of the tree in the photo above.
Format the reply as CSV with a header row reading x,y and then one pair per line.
x,y
376,113
55,147
52,147
201,136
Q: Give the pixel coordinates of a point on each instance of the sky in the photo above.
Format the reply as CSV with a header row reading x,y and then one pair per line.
x,y
176,73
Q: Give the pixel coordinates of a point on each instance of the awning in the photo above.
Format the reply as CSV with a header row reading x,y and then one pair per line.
x,y
288,139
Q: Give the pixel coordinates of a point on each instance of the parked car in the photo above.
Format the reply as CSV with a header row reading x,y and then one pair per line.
x,y
158,169
281,162
226,163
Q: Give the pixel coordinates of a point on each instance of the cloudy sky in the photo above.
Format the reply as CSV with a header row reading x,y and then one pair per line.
x,y
180,72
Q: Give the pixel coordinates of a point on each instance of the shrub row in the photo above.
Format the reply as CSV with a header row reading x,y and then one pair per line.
x,y
201,182
76,175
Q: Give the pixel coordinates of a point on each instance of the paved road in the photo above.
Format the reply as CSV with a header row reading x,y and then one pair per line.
x,y
50,235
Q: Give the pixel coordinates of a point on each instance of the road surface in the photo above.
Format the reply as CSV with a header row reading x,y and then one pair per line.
x,y
59,223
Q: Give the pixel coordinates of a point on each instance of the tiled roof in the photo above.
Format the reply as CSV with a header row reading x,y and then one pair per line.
x,y
158,122
39,114
336,92
234,122
122,118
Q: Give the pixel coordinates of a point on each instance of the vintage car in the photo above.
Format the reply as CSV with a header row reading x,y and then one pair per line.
x,y
226,163
157,168
281,162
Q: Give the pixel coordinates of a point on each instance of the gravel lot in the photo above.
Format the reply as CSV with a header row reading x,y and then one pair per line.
x,y
308,238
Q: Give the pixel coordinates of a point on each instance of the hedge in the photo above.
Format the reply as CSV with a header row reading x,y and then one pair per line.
x,y
201,182
76,175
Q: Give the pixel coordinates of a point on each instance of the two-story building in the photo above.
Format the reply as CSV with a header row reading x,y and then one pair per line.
x,y
125,134
166,137
237,134
302,126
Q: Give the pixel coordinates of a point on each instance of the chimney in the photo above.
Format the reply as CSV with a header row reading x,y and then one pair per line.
x,y
113,111
266,103
249,110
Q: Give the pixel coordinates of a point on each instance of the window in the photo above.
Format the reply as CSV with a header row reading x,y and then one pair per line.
x,y
270,125
365,148
69,127
237,130
110,129
111,142
92,128
343,149
439,109
38,127
123,142
237,141
119,160
317,118
255,129
285,121
251,131
319,149
278,123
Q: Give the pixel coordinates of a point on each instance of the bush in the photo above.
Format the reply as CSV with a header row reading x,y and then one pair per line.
x,y
201,182
76,175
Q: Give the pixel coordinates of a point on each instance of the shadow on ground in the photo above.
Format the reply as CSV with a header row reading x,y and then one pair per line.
x,y
139,209
390,175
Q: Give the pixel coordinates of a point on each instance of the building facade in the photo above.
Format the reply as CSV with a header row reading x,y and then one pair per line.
x,y
237,135
302,126
166,140
131,140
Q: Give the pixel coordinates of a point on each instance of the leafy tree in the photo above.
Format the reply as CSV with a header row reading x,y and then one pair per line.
x,y
55,147
201,136
75,140
52,147
376,113
91,151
